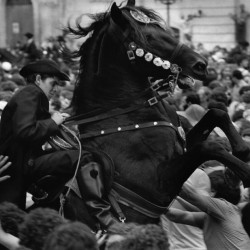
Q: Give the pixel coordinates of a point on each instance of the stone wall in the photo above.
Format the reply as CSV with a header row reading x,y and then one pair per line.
x,y
211,28
3,23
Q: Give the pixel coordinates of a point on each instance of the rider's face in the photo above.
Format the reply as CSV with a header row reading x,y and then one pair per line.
x,y
49,85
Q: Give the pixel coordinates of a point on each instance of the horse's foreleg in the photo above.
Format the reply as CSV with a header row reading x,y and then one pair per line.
x,y
180,169
219,118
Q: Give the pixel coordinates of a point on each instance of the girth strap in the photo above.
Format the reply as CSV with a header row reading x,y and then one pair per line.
x,y
124,196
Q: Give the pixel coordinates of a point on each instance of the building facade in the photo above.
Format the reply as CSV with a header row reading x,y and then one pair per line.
x,y
207,22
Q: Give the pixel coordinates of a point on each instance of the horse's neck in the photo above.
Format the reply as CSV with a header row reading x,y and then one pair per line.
x,y
167,111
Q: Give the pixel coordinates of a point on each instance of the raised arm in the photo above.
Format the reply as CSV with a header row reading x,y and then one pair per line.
x,y
191,195
195,219
212,206
188,206
9,241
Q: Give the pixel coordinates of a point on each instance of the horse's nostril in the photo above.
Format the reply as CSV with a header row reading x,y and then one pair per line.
x,y
200,66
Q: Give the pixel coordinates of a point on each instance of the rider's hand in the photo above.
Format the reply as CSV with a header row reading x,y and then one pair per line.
x,y
101,238
3,166
58,118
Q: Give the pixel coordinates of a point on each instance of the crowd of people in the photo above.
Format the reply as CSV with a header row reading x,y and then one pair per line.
x,y
211,212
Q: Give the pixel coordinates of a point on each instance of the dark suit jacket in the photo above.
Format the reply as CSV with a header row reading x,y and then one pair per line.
x,y
25,126
32,52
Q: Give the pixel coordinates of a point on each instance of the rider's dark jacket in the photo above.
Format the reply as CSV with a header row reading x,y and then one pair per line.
x,y
25,126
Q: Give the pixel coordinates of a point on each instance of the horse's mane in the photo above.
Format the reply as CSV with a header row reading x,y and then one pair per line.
x,y
89,50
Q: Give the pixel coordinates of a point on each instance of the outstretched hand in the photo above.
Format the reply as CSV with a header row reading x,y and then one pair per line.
x,y
4,164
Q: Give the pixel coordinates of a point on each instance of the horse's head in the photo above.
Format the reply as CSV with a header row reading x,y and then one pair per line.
x,y
152,49
127,46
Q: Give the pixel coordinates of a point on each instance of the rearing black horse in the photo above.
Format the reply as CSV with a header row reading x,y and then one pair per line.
x,y
127,119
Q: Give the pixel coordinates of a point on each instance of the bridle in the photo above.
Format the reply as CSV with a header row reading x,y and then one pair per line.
x,y
167,85
136,54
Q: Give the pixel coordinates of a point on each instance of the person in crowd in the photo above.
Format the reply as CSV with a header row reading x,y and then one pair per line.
x,y
5,95
7,240
240,49
204,92
149,237
193,113
26,125
71,236
30,50
192,98
37,226
117,233
212,75
246,217
65,98
225,76
238,83
182,236
8,86
215,84
243,67
10,218
240,19
242,103
54,105
220,218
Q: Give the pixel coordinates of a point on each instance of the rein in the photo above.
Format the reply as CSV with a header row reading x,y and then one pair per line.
x,y
167,86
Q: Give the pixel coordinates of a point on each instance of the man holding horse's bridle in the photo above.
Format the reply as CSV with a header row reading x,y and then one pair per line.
x,y
26,125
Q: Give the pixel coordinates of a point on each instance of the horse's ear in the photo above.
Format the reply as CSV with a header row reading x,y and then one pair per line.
x,y
117,16
131,3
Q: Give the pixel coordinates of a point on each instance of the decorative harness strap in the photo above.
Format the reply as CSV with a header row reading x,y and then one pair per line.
x,y
179,130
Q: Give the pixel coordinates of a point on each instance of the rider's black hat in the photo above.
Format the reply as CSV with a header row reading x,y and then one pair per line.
x,y
44,66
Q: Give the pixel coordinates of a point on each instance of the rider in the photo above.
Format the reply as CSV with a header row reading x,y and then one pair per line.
x,y
26,125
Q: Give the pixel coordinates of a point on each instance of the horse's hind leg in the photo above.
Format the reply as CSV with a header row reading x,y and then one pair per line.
x,y
180,169
219,118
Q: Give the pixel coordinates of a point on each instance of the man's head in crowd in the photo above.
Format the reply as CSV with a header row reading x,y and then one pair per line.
x,y
71,236
146,237
36,227
11,216
225,186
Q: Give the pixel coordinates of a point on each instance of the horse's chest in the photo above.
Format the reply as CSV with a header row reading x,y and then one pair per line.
x,y
165,142
162,144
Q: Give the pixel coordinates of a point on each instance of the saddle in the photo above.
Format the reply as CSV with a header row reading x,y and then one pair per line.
x,y
48,188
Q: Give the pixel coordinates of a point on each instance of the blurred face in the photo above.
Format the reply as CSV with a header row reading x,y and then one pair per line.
x,y
244,63
65,102
226,72
49,85
246,138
